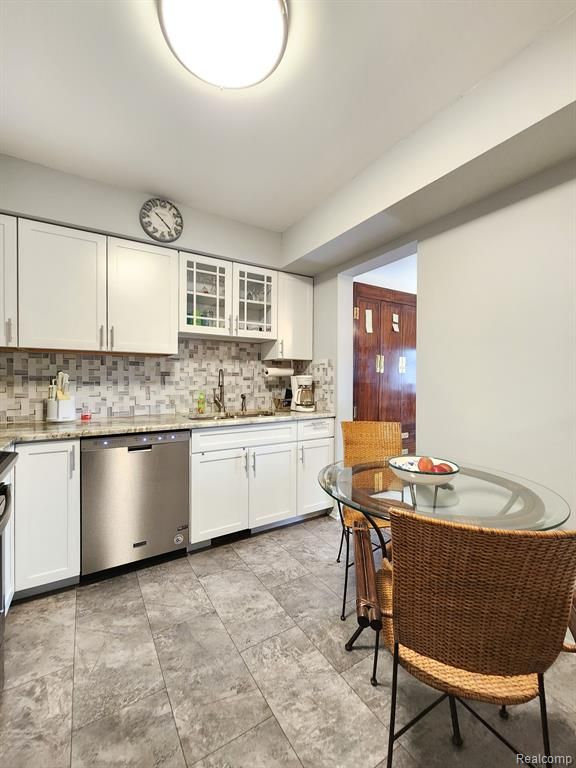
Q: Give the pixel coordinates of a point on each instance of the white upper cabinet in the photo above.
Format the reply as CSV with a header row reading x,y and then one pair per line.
x,y
61,287
255,302
8,282
295,320
205,295
142,297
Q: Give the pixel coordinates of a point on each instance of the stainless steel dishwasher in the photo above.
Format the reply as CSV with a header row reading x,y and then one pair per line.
x,y
135,498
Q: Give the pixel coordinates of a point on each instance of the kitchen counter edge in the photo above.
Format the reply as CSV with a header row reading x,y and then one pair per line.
x,y
43,431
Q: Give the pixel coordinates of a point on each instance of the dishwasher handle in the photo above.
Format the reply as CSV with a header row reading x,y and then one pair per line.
x,y
139,448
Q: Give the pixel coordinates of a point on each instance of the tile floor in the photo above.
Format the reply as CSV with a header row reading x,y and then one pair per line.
x,y
231,658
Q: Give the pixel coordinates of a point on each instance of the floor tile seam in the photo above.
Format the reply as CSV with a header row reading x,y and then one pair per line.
x,y
263,694
32,680
232,740
73,673
114,713
257,687
321,651
263,640
163,680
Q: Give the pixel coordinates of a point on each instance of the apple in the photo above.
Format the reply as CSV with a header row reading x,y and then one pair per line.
x,y
443,467
438,469
425,464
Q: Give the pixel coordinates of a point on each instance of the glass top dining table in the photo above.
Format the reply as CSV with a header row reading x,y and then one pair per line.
x,y
475,496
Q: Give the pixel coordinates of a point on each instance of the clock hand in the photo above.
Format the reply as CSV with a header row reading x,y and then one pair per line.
x,y
162,220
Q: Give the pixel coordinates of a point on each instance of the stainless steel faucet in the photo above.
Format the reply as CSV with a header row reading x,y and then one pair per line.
x,y
219,398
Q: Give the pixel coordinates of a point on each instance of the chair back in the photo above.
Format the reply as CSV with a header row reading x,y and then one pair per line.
x,y
367,441
490,601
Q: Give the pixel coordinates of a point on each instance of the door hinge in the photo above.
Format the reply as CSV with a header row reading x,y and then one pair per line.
x,y
354,412
356,313
401,364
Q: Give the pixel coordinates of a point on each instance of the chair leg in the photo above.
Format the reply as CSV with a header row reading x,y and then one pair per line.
x,y
503,712
343,616
341,542
350,644
544,716
456,737
392,708
373,679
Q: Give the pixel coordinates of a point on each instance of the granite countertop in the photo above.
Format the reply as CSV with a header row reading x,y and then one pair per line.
x,y
119,425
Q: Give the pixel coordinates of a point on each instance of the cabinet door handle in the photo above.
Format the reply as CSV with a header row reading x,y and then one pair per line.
x,y
8,330
72,461
302,454
230,324
246,462
111,337
281,347
237,325
254,462
101,337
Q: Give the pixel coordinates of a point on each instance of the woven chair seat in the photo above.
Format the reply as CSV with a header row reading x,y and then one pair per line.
x,y
493,689
352,516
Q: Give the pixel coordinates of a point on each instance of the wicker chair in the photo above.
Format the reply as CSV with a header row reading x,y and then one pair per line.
x,y
366,441
475,613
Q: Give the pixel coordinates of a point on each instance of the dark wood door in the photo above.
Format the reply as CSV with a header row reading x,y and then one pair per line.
x,y
385,358
391,350
408,411
366,360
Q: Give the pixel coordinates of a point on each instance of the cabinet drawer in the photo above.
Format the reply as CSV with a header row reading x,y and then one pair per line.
x,y
220,438
310,430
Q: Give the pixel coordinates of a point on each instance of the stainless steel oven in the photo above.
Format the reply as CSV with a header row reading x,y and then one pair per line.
x,y
7,461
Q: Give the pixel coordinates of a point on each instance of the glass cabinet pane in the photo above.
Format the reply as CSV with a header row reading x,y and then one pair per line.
x,y
255,302
206,294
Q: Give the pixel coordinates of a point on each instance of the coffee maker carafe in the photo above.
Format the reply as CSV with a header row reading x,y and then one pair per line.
x,y
302,394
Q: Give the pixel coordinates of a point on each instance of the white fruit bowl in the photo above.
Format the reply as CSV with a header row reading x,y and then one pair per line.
x,y
406,468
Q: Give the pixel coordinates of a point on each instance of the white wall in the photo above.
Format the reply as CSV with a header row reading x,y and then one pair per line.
x,y
333,304
530,87
400,275
497,338
33,190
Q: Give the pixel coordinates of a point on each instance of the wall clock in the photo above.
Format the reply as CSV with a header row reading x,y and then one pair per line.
x,y
161,220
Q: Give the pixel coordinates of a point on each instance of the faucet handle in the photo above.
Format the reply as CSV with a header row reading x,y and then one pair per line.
x,y
243,402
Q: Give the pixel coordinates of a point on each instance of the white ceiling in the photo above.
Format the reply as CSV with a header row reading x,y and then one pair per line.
x,y
399,275
91,88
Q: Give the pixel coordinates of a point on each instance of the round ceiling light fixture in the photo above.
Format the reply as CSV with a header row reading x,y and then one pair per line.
x,y
228,43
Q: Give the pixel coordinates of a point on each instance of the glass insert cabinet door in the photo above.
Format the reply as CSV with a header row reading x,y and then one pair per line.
x,y
255,302
205,295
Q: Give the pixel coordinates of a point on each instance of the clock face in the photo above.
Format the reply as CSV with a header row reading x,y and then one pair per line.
x,y
161,220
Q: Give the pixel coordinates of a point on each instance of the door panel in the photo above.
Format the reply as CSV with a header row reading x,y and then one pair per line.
x,y
366,359
272,483
8,282
313,455
142,297
205,295
61,287
47,513
391,379
219,498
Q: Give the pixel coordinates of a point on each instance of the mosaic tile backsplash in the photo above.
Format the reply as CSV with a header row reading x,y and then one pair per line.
x,y
136,385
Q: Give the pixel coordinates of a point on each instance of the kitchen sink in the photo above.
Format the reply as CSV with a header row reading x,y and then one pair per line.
x,y
230,415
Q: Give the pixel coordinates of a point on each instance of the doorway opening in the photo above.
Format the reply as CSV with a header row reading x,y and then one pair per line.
x,y
384,340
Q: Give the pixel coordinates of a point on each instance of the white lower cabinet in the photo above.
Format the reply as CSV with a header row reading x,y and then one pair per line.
x,y
249,485
313,455
272,484
219,495
47,513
